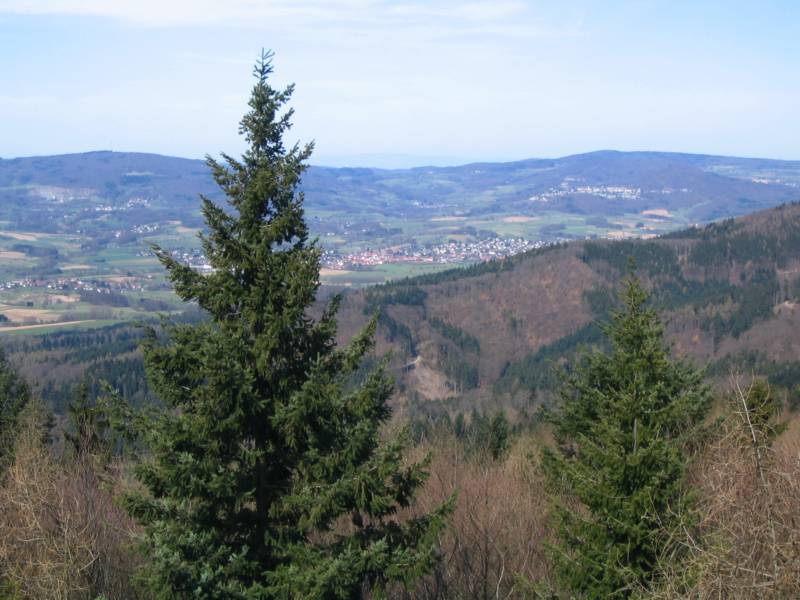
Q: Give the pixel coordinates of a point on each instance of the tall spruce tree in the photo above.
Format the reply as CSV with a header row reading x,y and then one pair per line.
x,y
624,421
267,476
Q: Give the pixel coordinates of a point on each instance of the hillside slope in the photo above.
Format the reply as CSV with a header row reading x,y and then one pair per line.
x,y
729,294
490,334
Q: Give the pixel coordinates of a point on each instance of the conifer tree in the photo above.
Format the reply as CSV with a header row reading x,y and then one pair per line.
x,y
14,395
88,425
498,435
624,421
267,475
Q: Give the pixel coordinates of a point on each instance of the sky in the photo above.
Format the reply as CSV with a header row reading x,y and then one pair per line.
x,y
411,82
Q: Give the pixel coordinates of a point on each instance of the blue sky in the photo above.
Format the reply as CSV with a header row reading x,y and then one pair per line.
x,y
410,82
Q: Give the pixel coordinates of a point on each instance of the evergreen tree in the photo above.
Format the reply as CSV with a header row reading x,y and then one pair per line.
x,y
14,395
621,432
460,426
498,435
267,475
89,424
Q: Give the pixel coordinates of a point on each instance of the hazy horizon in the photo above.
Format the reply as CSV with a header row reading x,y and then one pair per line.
x,y
445,82
401,162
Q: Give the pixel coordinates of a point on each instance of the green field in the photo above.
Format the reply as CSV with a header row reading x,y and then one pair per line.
x,y
79,223
59,264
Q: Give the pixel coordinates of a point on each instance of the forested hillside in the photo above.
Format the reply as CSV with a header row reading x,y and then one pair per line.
x,y
493,333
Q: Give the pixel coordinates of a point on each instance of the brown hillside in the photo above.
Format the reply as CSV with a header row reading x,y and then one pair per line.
x,y
729,295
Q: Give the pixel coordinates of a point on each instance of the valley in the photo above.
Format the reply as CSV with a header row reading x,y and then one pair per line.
x,y
489,334
521,256
80,226
494,334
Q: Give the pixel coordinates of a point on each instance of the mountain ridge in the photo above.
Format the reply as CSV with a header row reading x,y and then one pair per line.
x,y
588,153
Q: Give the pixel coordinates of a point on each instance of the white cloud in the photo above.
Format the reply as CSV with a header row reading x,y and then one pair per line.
x,y
498,17
465,10
166,13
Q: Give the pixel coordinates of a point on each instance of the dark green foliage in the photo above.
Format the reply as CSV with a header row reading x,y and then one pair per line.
x,y
397,333
459,426
36,251
783,377
377,301
601,301
725,246
462,339
14,395
760,409
268,476
754,300
535,372
97,355
483,435
498,435
487,435
653,258
87,434
619,456
453,359
408,295
674,293
107,298
721,244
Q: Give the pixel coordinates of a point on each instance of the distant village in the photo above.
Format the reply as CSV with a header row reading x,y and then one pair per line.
x,y
75,284
444,253
609,192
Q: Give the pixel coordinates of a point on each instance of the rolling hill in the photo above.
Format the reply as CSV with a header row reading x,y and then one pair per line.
x,y
729,294
491,334
74,231
640,192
